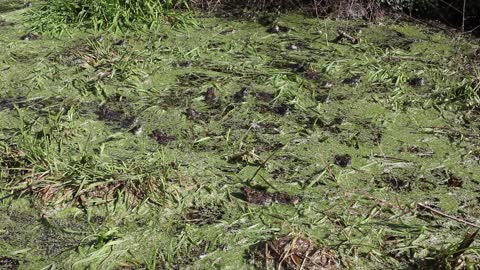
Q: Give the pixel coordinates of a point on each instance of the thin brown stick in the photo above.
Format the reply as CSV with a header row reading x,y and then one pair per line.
x,y
440,213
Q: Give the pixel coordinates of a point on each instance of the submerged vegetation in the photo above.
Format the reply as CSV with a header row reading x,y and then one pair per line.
x,y
265,141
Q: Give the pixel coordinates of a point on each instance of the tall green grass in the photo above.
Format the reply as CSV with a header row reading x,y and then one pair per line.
x,y
112,15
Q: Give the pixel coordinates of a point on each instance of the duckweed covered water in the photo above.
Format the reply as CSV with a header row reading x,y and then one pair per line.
x,y
133,154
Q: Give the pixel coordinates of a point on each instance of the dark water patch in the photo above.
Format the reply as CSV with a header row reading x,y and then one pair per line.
x,y
8,103
16,235
55,239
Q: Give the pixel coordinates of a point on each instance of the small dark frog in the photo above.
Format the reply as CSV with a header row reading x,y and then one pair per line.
x,y
137,130
282,109
292,47
209,95
264,96
192,114
259,197
312,75
100,39
416,82
240,95
5,23
228,31
161,137
262,197
343,160
185,63
276,28
300,67
30,36
355,80
326,84
121,42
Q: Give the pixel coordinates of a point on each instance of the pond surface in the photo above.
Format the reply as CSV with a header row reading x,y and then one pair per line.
x,y
187,148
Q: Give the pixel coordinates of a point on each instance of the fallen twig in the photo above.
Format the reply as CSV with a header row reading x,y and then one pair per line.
x,y
440,213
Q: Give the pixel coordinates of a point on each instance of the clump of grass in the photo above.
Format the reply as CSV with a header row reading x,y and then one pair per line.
x,y
119,15
112,15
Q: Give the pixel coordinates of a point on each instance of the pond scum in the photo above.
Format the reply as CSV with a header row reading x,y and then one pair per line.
x,y
230,144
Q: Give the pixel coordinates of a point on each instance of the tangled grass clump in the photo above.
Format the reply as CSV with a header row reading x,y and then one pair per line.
x,y
111,15
119,15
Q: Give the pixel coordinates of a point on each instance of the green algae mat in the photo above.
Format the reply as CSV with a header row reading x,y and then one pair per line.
x,y
260,143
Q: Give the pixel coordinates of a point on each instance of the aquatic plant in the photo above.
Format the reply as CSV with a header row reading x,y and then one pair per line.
x,y
112,15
